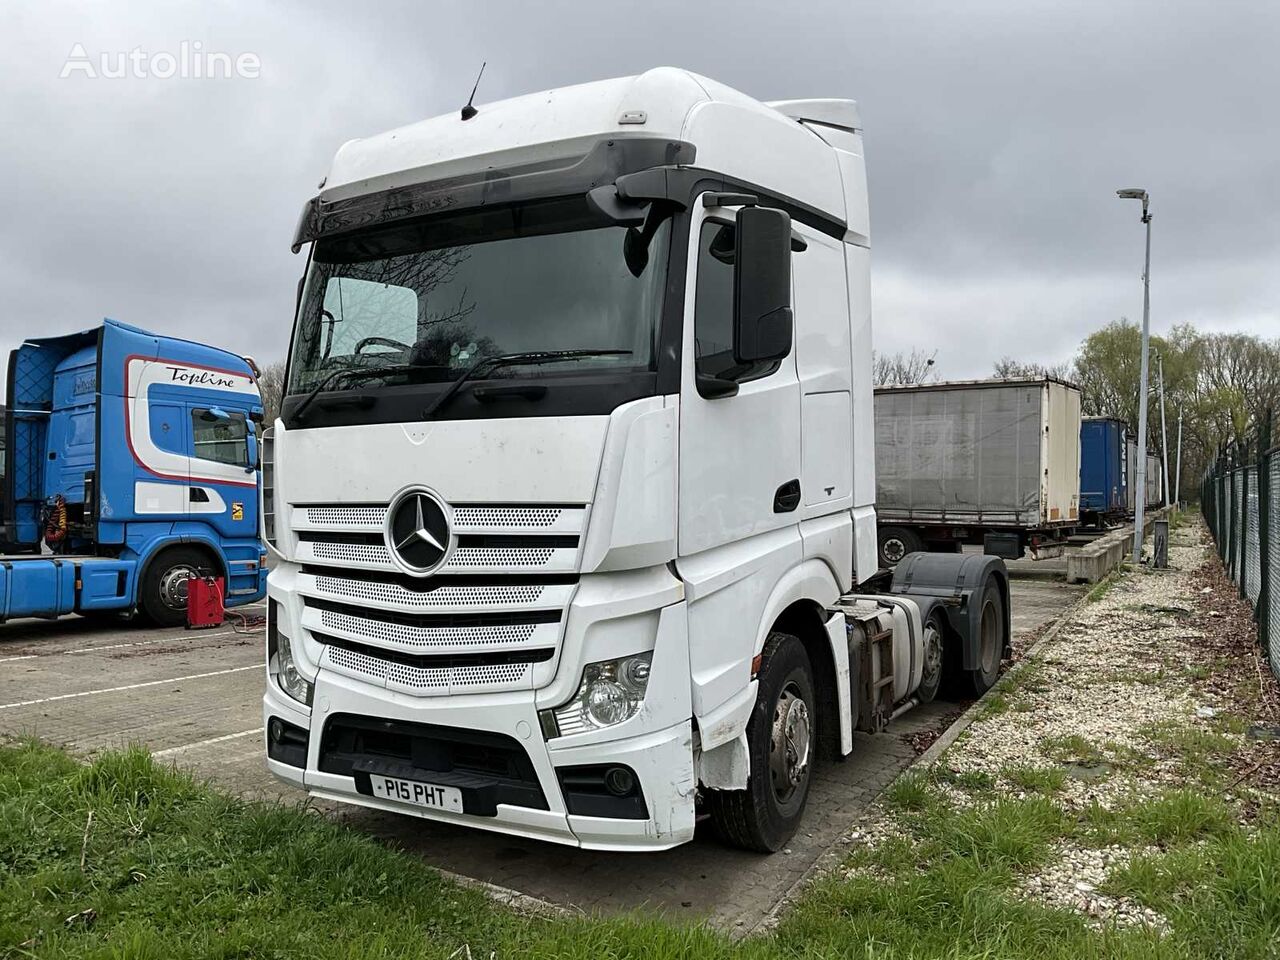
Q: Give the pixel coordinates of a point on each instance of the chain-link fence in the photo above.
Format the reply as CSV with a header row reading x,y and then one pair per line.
x,y
1240,498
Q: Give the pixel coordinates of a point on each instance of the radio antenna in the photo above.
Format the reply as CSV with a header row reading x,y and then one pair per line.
x,y
469,111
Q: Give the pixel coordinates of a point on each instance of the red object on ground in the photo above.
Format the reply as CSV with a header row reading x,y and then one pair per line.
x,y
204,602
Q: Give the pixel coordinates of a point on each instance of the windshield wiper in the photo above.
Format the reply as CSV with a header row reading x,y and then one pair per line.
x,y
485,364
334,378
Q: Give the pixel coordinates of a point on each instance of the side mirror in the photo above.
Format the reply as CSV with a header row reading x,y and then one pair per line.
x,y
251,443
762,285
215,414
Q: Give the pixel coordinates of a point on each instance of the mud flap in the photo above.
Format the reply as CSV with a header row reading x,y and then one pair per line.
x,y
958,581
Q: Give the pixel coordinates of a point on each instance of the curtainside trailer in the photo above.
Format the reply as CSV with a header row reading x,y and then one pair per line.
x,y
990,462
131,465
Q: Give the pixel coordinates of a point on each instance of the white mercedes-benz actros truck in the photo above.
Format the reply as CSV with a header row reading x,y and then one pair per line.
x,y
572,491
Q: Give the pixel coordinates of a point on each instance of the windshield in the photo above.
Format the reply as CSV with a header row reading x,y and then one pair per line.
x,y
433,297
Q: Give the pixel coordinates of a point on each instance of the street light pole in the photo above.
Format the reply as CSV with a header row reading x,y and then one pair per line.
x,y
1140,498
1164,433
1177,472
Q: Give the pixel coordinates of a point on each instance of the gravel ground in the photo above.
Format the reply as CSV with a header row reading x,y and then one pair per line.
x,y
1104,711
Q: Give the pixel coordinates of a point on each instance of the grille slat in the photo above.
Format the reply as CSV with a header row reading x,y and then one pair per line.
x,y
513,518
426,681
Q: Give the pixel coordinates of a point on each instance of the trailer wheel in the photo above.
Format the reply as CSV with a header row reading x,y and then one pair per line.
x,y
990,643
931,675
781,744
896,543
163,591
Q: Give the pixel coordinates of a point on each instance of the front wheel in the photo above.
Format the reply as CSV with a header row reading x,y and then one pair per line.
x,y
163,592
781,740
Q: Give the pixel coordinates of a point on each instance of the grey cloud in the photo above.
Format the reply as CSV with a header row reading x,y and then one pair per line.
x,y
996,135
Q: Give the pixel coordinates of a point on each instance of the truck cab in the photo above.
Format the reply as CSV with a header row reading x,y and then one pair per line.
x,y
132,465
574,475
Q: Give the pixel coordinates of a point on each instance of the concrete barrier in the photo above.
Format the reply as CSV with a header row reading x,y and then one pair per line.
x,y
1089,564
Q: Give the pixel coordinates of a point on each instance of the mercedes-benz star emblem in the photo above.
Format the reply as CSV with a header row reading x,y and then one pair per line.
x,y
418,531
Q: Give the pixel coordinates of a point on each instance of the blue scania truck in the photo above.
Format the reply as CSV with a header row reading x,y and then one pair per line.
x,y
1104,471
131,465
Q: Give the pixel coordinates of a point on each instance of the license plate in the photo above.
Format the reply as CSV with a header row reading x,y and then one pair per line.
x,y
420,794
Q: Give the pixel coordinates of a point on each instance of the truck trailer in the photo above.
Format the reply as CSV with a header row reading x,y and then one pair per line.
x,y
990,462
131,465
1104,471
572,490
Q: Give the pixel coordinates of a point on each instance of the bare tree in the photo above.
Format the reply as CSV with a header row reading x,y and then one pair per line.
x,y
902,368
271,387
1007,368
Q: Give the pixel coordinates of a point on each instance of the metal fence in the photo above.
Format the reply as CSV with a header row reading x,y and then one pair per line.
x,y
1240,498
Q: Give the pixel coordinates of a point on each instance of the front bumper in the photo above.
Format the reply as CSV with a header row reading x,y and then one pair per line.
x,y
490,744
661,760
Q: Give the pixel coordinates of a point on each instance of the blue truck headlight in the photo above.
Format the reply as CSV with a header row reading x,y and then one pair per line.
x,y
611,691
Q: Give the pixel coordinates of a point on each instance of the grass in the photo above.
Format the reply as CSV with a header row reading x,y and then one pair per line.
x,y
1072,748
169,868
1044,780
1103,586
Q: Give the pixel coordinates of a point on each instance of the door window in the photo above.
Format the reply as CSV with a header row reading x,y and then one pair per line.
x,y
713,308
223,439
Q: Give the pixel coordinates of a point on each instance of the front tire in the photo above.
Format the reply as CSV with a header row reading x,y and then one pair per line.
x,y
163,592
781,745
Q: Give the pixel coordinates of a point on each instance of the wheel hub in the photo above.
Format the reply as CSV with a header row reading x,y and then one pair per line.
x,y
932,653
173,586
894,550
790,743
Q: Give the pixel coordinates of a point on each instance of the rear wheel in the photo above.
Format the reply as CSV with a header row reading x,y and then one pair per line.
x,y
931,675
896,543
163,592
990,643
781,740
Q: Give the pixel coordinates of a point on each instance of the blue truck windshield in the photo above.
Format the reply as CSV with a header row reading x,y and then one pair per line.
x,y
431,298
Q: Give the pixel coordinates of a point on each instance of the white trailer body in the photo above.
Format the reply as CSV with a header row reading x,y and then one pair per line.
x,y
573,480
977,461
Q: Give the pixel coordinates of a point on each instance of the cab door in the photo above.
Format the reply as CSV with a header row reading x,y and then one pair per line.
x,y
740,472
740,454
219,441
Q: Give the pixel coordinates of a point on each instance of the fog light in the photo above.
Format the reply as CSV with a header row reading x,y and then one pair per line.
x,y
619,781
275,729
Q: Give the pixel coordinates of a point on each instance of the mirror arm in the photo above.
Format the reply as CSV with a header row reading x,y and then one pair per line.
x,y
713,388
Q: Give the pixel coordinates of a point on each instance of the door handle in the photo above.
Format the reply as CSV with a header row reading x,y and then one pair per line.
x,y
787,498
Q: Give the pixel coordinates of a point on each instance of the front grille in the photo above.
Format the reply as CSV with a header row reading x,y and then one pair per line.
x,y
460,595
502,591
431,675
489,768
557,554
467,518
446,631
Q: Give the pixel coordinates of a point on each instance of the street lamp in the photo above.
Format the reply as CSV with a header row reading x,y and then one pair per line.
x,y
1137,193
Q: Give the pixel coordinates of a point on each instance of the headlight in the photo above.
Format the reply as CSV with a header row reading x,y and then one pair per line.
x,y
611,692
290,680
280,659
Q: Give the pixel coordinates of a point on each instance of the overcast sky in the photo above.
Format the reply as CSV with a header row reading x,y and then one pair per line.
x,y
996,134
